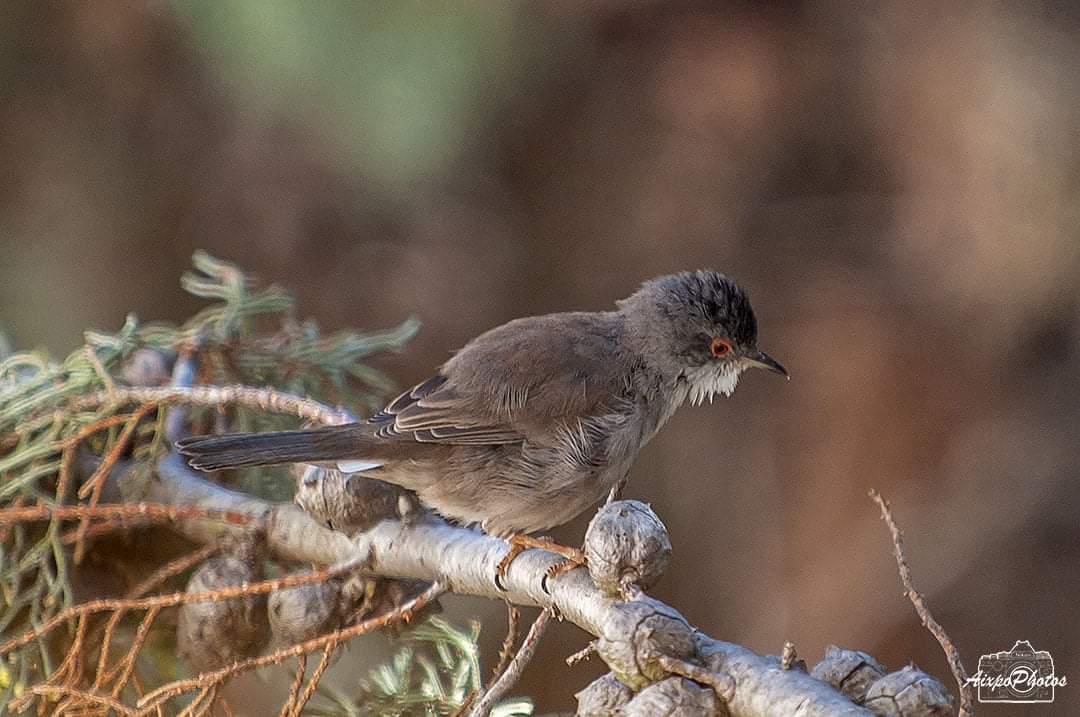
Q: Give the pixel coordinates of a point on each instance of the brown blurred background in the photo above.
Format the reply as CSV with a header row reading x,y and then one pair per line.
x,y
896,183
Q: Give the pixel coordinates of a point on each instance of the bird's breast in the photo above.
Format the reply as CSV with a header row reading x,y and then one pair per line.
x,y
656,411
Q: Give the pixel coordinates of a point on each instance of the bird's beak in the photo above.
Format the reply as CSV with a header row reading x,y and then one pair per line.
x,y
760,359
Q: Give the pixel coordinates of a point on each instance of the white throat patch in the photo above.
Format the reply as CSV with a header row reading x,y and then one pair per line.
x,y
705,382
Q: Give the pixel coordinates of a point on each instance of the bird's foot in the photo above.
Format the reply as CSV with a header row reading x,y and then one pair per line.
x,y
572,558
520,542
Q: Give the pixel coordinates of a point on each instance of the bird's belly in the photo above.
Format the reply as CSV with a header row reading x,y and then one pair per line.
x,y
503,490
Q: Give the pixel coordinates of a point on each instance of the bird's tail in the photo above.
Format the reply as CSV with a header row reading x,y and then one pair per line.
x,y
236,450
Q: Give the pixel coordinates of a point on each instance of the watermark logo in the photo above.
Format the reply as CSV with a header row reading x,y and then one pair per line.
x,y
1023,674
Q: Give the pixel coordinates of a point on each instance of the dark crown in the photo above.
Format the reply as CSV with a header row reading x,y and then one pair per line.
x,y
714,297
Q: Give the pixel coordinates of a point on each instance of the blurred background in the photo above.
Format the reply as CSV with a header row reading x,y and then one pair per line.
x,y
896,183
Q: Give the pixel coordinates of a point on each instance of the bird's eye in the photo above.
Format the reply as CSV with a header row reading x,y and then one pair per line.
x,y
719,347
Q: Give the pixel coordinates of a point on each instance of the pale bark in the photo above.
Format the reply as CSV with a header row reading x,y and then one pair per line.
x,y
466,561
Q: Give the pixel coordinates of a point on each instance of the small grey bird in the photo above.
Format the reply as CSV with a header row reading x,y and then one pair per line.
x,y
536,420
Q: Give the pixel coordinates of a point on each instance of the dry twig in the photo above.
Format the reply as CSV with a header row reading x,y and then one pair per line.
x,y
94,485
81,696
513,618
722,685
114,511
582,654
126,666
159,576
316,677
923,610
263,399
173,567
403,613
173,599
513,671
92,428
297,684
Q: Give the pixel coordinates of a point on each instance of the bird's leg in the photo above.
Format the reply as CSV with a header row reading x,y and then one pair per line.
x,y
520,542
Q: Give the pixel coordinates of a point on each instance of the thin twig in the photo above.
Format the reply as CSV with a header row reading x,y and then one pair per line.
x,y
96,482
5,528
112,511
582,654
139,691
172,599
297,684
403,612
316,677
63,482
263,399
106,643
154,580
513,671
171,568
92,428
923,610
722,685
127,665
64,673
206,694
82,696
513,619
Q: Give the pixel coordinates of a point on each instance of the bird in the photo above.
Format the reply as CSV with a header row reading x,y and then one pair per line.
x,y
534,421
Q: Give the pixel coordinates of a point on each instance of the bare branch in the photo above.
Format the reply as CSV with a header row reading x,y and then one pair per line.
x,y
513,617
403,613
465,561
173,599
297,684
114,511
316,677
923,610
262,399
96,482
82,696
513,671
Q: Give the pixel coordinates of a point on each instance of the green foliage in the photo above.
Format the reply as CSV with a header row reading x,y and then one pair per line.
x,y
433,673
246,335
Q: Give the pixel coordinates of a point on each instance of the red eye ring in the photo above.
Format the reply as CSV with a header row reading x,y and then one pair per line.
x,y
719,347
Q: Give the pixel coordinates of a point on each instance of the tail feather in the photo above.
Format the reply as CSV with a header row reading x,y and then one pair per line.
x,y
237,450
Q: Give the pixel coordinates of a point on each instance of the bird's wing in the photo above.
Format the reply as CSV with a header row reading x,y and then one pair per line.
x,y
434,412
513,382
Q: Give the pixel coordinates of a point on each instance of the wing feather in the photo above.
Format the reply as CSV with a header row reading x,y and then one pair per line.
x,y
500,387
432,412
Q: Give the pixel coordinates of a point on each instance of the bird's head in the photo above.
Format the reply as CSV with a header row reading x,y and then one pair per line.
x,y
696,327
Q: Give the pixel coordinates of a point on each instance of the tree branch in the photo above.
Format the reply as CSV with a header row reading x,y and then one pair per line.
x,y
263,399
465,561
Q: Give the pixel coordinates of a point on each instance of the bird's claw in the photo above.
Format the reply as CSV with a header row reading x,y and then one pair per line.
x,y
516,549
519,543
573,558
